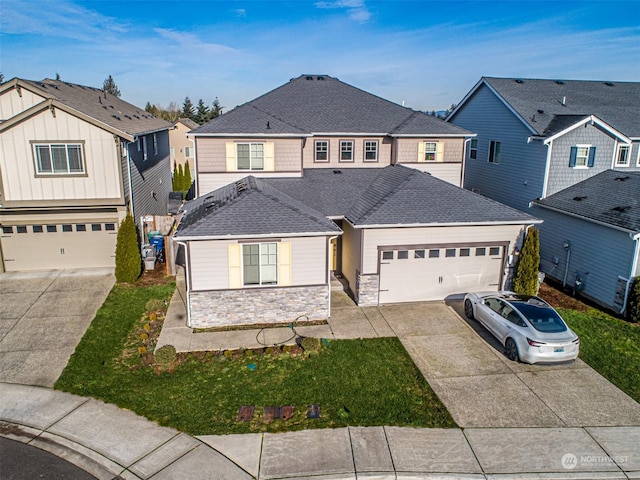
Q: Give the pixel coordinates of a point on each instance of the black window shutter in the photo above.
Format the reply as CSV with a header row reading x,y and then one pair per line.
x,y
592,156
572,157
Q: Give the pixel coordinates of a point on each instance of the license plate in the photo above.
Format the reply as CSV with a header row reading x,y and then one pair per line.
x,y
558,350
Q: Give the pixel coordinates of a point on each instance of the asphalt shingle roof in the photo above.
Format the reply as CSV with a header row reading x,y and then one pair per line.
x,y
393,195
315,104
250,207
104,107
616,103
611,197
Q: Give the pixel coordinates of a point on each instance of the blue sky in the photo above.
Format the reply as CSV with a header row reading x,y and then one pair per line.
x,y
427,54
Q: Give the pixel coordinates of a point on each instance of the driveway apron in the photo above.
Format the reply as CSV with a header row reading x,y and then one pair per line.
x,y
43,316
467,369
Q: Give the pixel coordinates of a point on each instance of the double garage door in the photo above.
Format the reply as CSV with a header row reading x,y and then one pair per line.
x,y
434,273
57,246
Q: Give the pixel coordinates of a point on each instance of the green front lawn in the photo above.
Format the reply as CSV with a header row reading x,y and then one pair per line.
x,y
610,346
355,382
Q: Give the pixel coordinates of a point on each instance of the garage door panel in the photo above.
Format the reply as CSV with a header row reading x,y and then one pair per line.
x,y
409,276
58,249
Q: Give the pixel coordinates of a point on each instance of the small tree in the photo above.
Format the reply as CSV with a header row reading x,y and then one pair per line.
x,y
175,184
110,86
525,280
180,181
633,304
186,179
128,259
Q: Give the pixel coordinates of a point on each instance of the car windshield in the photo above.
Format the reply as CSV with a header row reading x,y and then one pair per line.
x,y
543,318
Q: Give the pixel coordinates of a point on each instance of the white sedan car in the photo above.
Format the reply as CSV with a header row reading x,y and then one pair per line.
x,y
528,327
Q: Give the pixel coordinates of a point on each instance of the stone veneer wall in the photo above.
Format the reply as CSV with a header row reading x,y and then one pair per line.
x,y
367,290
258,305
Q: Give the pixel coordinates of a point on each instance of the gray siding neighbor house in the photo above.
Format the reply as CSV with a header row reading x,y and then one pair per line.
x,y
537,137
73,161
591,236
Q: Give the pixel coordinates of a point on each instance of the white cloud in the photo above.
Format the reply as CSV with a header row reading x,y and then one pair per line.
x,y
357,10
240,12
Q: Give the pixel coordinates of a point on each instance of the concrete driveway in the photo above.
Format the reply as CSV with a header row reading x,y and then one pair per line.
x,y
480,387
43,316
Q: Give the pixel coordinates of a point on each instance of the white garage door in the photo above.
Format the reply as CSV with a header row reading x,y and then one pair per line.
x,y
411,275
44,247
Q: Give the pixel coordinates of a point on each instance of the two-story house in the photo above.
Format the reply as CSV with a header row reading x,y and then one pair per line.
x,y
182,149
318,176
538,138
73,161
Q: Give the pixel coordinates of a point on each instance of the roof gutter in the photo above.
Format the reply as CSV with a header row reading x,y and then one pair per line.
x,y
591,119
532,221
433,135
248,135
192,238
582,217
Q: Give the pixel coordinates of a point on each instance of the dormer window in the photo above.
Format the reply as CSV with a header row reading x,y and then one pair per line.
x,y
622,156
582,156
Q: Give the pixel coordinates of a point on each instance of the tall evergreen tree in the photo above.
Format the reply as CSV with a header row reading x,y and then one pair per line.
x,y
216,109
180,181
128,258
525,280
58,76
188,110
202,112
175,182
110,86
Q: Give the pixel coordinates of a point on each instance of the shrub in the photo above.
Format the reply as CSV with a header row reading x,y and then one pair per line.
x,y
525,280
128,259
310,344
186,178
154,305
633,303
165,355
175,183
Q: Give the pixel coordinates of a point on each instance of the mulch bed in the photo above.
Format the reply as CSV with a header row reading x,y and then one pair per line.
x,y
559,299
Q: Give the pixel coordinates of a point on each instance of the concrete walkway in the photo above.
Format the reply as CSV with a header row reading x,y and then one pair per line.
x,y
110,443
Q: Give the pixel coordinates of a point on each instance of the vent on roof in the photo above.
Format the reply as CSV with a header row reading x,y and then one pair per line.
x,y
127,116
42,85
104,106
241,186
116,117
308,77
137,117
519,80
560,82
621,209
337,172
622,179
111,106
540,112
579,198
320,78
609,84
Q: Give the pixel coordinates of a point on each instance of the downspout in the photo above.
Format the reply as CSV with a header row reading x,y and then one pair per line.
x,y
567,247
634,267
195,164
545,185
329,273
187,281
130,180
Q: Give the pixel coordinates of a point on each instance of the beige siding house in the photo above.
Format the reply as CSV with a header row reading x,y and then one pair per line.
x,y
182,149
294,187
73,161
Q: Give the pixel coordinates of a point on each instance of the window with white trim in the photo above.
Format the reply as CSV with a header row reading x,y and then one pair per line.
x,y
172,152
473,149
250,156
189,152
144,148
155,144
622,156
346,150
494,151
430,151
59,158
260,263
582,156
370,150
321,151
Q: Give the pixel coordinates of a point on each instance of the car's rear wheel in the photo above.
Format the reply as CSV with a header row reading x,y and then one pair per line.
x,y
511,350
468,309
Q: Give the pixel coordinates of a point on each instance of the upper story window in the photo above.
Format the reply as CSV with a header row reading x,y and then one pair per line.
x,y
59,158
370,150
346,150
494,151
430,151
155,144
260,264
172,152
473,149
321,151
250,156
144,147
623,155
189,152
582,156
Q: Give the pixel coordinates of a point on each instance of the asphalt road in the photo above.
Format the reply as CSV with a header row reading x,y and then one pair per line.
x,y
24,462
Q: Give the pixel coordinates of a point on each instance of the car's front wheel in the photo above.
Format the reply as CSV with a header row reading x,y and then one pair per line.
x,y
511,350
468,309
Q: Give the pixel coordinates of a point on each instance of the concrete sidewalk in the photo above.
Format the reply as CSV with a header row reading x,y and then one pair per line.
x,y
110,443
